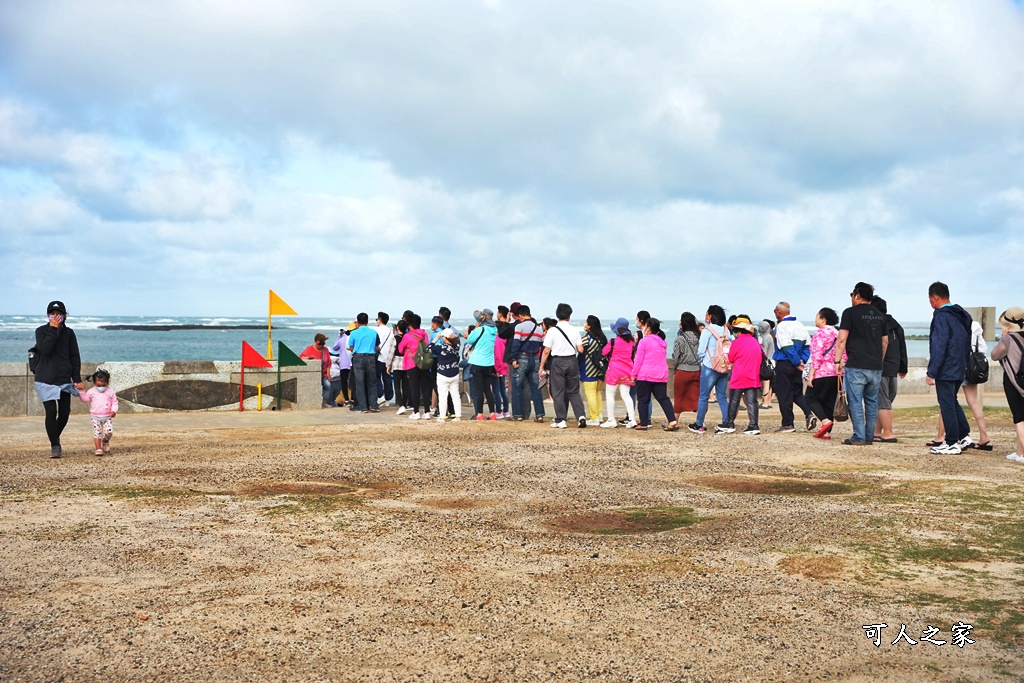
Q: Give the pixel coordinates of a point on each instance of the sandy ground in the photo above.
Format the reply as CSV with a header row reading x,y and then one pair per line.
x,y
301,548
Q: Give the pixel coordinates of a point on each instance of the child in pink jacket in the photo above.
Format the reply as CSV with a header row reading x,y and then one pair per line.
x,y
745,355
102,408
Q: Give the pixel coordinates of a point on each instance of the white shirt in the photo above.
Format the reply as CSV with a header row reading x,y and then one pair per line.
x,y
557,342
978,342
387,342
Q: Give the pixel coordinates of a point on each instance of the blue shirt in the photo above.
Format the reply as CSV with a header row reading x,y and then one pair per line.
x,y
482,340
363,339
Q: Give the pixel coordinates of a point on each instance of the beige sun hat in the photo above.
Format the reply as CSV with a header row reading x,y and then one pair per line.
x,y
1013,319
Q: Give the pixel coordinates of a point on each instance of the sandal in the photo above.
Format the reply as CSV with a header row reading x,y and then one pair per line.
x,y
642,427
538,419
934,444
987,446
671,427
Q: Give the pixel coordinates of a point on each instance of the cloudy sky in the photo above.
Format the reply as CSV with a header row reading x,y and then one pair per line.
x,y
182,157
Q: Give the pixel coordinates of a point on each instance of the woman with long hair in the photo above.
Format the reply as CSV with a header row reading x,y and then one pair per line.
x,y
714,330
686,366
592,369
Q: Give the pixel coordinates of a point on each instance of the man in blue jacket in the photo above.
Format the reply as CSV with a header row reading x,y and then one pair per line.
x,y
949,345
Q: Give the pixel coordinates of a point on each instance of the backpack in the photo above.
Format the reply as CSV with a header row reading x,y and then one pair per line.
x,y
720,361
33,359
977,367
1019,372
423,359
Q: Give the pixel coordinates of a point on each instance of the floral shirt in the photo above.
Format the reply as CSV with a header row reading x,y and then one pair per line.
x,y
823,352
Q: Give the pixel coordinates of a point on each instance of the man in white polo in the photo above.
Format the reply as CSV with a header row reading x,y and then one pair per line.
x,y
561,343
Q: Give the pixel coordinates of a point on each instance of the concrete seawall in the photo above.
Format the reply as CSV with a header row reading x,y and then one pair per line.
x,y
213,385
173,386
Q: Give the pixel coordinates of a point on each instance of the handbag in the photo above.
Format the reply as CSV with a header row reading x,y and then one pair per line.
x,y
842,409
767,369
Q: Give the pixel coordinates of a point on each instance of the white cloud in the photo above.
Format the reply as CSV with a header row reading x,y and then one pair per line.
x,y
681,150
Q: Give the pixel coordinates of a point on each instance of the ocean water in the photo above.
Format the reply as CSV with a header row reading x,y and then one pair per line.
x,y
17,335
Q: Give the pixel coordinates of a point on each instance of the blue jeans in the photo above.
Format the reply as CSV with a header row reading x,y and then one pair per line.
x,y
364,371
709,379
500,394
953,418
862,396
384,385
523,377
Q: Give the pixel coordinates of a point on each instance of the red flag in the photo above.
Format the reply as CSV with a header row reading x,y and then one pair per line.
x,y
251,358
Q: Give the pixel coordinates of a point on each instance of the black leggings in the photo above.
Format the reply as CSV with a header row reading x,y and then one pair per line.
x,y
343,378
57,414
401,388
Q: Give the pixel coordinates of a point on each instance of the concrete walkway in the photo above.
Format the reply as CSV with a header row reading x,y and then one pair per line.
x,y
226,419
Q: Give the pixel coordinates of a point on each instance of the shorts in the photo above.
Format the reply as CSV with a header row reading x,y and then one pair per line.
x,y
1014,400
887,392
102,428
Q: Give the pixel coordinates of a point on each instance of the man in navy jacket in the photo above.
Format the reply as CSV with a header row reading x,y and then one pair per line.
x,y
949,345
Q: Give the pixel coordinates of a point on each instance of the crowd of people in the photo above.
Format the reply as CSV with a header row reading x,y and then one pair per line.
x,y
849,367
852,363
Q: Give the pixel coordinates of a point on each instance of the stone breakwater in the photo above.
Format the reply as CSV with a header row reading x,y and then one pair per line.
x,y
174,386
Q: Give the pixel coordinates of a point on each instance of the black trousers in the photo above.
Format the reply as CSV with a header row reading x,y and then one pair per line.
x,y
483,387
57,414
419,389
644,389
401,388
789,389
821,398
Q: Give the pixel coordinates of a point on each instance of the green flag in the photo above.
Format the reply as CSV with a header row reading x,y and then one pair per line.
x,y
286,357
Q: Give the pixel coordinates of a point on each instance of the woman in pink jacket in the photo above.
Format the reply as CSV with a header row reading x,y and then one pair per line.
x,y
650,370
619,374
420,391
745,354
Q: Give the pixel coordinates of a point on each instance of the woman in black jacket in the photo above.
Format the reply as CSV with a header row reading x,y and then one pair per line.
x,y
58,371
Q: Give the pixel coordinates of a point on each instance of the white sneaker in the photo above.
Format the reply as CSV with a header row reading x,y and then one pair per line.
x,y
381,401
946,449
414,416
631,424
456,419
559,425
593,423
1014,457
965,443
610,423
441,419
400,411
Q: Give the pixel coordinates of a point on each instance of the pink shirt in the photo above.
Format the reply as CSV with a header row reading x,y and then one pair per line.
x,y
822,363
620,362
745,355
101,404
500,366
651,362
410,343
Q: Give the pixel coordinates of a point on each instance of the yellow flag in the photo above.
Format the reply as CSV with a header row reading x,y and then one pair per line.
x,y
278,306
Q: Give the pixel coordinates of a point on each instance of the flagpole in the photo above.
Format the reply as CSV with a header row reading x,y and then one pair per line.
x,y
270,346
277,403
241,390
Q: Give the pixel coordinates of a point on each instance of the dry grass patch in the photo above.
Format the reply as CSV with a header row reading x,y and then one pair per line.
x,y
456,503
650,520
307,489
777,486
820,567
